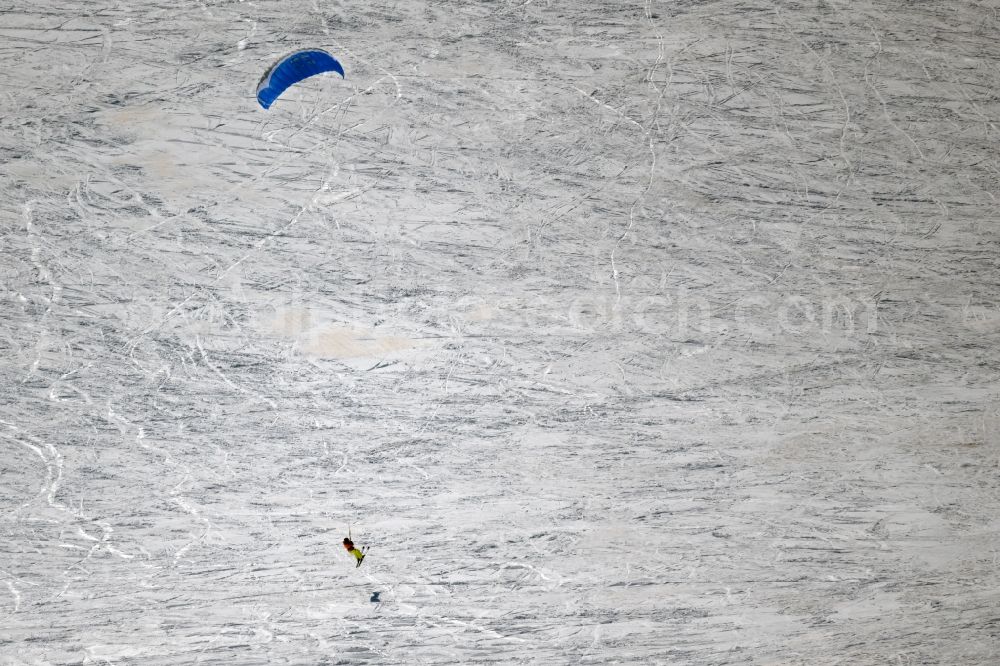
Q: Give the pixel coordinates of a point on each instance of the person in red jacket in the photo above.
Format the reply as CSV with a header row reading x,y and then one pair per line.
x,y
349,546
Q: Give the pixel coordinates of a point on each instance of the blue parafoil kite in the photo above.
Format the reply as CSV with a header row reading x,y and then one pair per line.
x,y
293,68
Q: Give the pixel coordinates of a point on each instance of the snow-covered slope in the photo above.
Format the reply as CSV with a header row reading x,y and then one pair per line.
x,y
622,333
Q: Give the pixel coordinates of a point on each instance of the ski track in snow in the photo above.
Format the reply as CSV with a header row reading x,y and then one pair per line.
x,y
652,333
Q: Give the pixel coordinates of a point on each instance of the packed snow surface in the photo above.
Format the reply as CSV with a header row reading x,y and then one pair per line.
x,y
660,333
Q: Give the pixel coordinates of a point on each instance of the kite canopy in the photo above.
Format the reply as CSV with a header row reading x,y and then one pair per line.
x,y
293,68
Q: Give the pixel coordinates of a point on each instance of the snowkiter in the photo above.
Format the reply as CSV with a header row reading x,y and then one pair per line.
x,y
349,546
